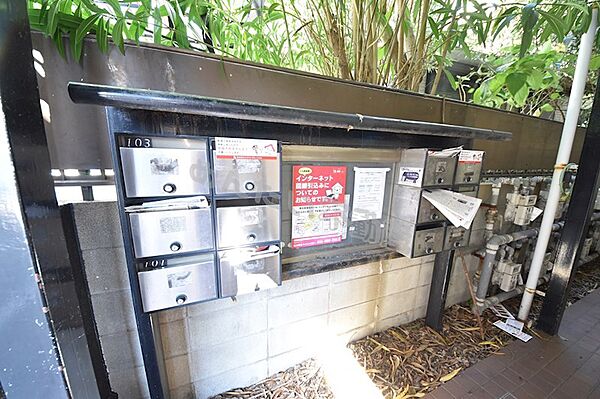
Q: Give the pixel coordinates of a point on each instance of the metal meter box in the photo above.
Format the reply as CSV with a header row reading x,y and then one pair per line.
x,y
420,167
468,168
168,232
243,225
246,166
249,269
178,285
163,167
456,237
409,205
413,241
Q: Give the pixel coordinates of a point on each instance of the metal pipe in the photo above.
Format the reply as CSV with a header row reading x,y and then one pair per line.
x,y
503,296
491,248
562,158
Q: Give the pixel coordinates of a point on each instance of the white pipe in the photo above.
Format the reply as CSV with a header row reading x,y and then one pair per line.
x,y
562,158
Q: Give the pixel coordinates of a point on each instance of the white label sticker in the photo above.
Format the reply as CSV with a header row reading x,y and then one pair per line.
x,y
470,156
410,176
231,147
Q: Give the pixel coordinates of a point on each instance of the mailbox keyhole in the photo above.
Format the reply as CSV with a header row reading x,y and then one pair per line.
x,y
434,216
457,244
175,246
468,179
249,186
169,188
251,237
429,251
181,299
440,180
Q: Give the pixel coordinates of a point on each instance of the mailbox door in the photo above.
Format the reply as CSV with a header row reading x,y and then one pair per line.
x,y
439,170
456,237
164,172
428,212
246,175
428,241
244,272
179,285
243,225
467,173
171,232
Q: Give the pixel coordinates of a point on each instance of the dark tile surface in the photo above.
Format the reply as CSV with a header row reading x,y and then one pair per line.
x,y
566,366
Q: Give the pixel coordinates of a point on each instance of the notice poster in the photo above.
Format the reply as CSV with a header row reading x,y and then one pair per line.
x,y
318,194
369,190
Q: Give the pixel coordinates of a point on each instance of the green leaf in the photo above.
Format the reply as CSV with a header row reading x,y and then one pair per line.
x,y
546,108
529,17
117,35
515,82
595,62
102,35
451,79
157,26
555,23
535,79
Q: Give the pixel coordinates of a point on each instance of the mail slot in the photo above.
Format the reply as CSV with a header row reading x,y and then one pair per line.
x,y
468,168
165,172
409,204
413,241
246,270
246,166
456,237
243,225
420,167
178,285
168,232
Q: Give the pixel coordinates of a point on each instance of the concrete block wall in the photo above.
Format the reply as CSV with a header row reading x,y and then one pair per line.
x,y
218,345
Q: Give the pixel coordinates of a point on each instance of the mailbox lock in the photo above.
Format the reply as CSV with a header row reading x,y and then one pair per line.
x,y
249,186
440,180
456,244
181,299
468,179
251,237
169,188
175,246
435,216
429,251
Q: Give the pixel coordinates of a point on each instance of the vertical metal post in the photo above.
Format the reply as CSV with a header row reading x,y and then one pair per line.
x,y
36,283
87,193
576,224
442,270
145,323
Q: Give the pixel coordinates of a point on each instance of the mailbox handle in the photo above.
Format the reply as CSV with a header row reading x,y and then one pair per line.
x,y
175,246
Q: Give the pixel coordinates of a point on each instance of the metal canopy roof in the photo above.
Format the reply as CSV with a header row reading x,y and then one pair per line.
x,y
153,100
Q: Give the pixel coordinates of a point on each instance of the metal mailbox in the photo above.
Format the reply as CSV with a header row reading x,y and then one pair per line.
x,y
246,270
178,285
243,225
246,166
420,167
456,237
409,205
167,232
468,168
413,241
164,167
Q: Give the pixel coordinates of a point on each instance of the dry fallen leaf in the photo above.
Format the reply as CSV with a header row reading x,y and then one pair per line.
x,y
450,375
